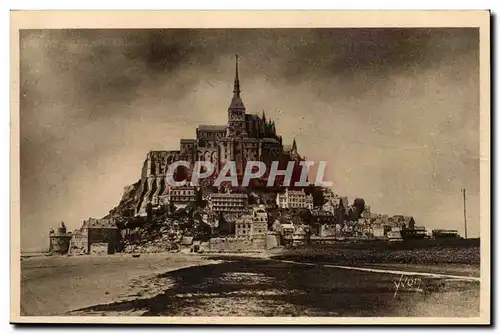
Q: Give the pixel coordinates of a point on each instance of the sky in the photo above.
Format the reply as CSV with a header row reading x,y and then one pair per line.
x,y
394,112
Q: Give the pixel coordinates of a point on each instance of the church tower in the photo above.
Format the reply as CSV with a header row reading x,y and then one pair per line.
x,y
236,111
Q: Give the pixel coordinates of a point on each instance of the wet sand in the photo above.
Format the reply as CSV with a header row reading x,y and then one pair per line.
x,y
263,287
56,285
231,285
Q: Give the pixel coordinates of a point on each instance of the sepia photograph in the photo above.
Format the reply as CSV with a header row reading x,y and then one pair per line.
x,y
250,167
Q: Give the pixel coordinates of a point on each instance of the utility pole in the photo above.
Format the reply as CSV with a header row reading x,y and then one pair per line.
x,y
465,213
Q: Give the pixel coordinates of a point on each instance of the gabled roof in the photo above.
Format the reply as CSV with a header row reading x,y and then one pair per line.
x,y
99,223
316,212
300,231
408,219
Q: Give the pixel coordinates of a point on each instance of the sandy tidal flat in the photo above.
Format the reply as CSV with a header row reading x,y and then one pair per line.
x,y
56,285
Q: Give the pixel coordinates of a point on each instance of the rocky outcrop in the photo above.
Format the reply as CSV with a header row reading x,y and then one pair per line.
x,y
126,207
153,186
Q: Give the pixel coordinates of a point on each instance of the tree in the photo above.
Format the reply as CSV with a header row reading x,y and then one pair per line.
x,y
359,203
203,231
171,208
252,200
352,214
224,228
318,196
200,203
358,207
306,216
340,215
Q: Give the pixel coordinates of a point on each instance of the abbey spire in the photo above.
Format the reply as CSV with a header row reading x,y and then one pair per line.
x,y
236,126
236,90
236,102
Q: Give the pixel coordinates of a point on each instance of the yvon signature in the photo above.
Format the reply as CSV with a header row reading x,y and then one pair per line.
x,y
408,284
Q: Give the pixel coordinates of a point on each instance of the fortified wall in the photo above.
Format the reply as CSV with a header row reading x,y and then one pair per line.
x,y
232,244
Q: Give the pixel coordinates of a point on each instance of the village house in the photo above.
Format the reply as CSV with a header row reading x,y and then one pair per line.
x,y
324,234
253,226
380,230
403,222
243,226
273,239
250,233
329,196
417,232
327,231
287,229
294,199
181,196
442,233
96,236
228,202
402,232
320,218
300,237
294,235
395,234
276,226
259,227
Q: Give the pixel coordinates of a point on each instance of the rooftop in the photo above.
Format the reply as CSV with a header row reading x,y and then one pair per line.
x,y
270,140
296,192
99,223
184,187
229,195
213,128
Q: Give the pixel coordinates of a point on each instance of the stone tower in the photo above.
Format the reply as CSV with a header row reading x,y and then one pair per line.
x,y
236,126
59,240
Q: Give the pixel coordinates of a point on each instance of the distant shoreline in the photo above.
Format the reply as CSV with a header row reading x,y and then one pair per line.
x,y
352,244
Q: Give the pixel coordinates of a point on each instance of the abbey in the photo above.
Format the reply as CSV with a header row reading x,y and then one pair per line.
x,y
245,137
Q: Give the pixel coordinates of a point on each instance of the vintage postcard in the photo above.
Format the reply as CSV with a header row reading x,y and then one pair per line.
x,y
250,167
